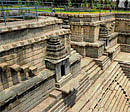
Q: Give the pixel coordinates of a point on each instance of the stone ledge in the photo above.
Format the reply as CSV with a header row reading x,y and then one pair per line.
x,y
125,48
12,92
33,40
85,15
74,58
29,24
123,62
122,19
124,33
83,44
92,23
111,36
15,67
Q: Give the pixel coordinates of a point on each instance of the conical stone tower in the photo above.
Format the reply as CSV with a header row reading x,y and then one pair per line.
x,y
57,57
55,49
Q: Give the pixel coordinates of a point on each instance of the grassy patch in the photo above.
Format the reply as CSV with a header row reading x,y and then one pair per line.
x,y
61,10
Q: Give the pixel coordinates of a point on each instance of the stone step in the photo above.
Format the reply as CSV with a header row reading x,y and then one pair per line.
x,y
70,86
95,72
127,88
109,97
63,81
62,104
82,89
58,104
122,83
120,79
45,105
113,101
117,101
115,50
111,78
126,83
126,108
84,81
87,68
119,75
88,71
85,98
91,94
105,96
123,106
103,61
120,102
82,78
109,101
106,64
86,61
104,100
56,94
99,83
93,101
97,76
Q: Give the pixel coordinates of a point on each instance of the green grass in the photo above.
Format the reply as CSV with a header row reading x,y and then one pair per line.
x,y
61,10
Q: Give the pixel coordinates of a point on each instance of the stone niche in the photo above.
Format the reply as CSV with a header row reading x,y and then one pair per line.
x,y
61,69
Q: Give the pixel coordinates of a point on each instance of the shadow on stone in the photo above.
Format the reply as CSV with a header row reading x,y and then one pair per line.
x,y
69,101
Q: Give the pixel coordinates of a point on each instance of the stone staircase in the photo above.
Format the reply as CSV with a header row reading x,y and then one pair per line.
x,y
113,50
59,101
46,104
126,68
103,61
86,77
109,93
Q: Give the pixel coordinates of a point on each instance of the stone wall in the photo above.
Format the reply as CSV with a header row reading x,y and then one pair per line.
x,y
123,27
24,79
98,27
31,95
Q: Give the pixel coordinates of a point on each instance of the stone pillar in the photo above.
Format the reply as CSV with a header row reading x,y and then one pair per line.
x,y
67,66
15,73
32,71
58,71
24,72
5,77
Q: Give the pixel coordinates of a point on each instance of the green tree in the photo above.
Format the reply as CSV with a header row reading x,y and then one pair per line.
x,y
69,3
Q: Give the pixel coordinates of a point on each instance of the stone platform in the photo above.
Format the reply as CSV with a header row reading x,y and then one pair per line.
x,y
123,57
124,60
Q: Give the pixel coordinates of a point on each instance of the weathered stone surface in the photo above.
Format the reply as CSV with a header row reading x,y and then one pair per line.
x,y
33,63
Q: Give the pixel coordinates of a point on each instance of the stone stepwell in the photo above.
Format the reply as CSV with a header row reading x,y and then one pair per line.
x,y
109,93
59,101
78,63
98,91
